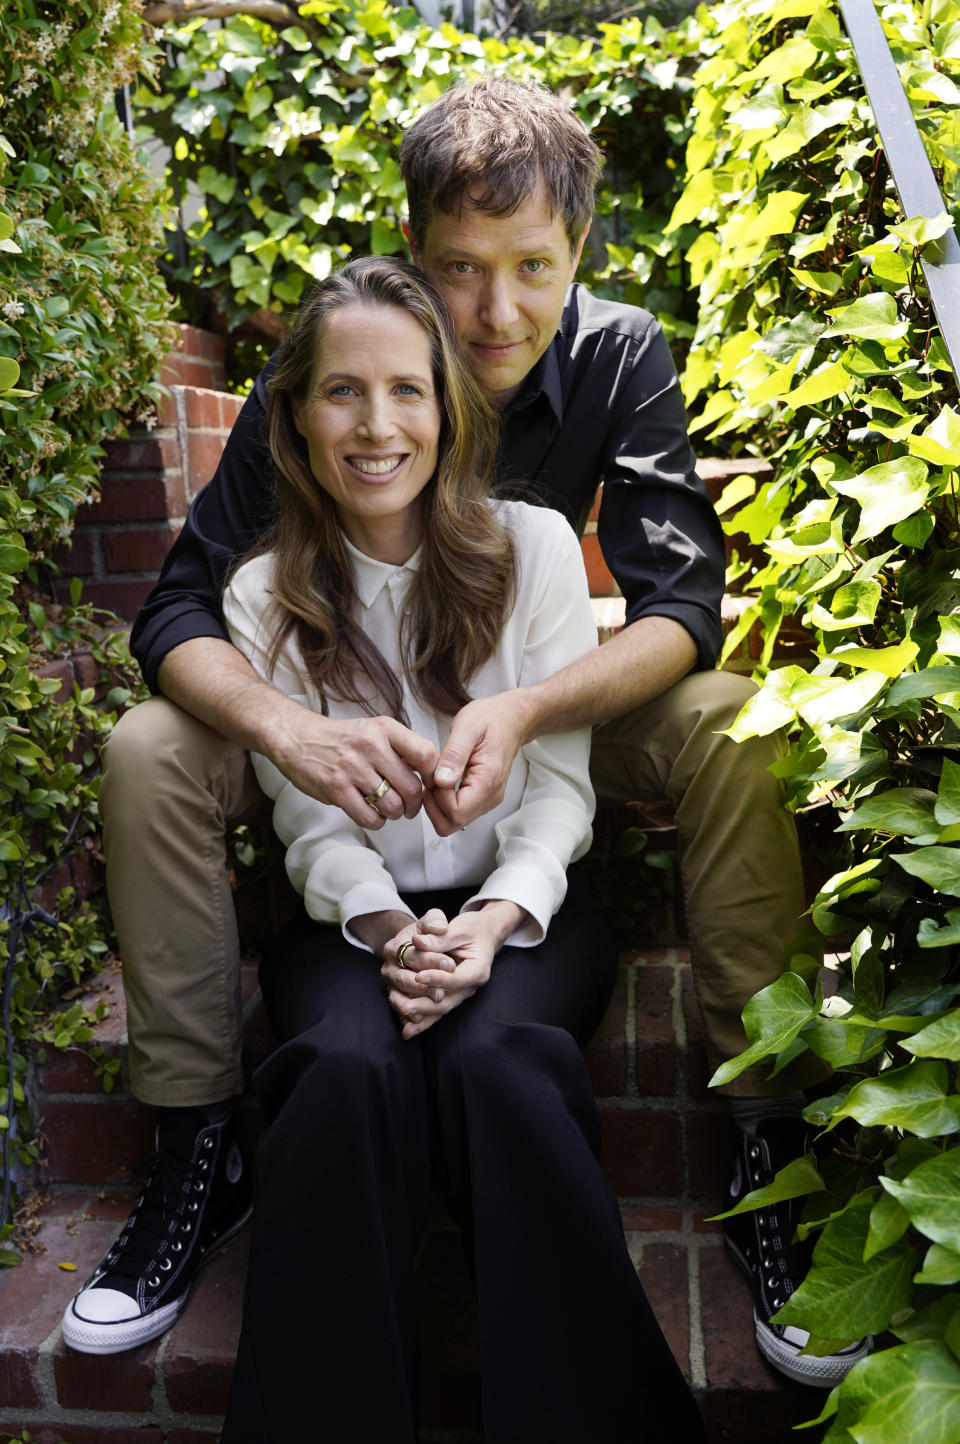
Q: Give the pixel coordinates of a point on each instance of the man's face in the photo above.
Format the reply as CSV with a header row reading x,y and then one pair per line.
x,y
504,279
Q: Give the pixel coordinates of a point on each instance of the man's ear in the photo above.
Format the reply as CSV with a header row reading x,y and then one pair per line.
x,y
408,237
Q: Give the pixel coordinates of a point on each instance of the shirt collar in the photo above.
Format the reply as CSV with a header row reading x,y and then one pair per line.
x,y
543,380
372,576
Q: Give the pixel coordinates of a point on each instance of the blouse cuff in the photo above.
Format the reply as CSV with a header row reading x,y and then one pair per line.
x,y
529,889
369,897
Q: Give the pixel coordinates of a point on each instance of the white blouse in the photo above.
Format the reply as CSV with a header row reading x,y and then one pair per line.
x,y
518,851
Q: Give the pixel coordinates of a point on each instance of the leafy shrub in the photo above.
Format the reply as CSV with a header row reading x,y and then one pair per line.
x,y
816,345
289,137
82,328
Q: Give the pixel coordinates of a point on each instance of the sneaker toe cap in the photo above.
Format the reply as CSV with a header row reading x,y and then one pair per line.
x,y
105,1306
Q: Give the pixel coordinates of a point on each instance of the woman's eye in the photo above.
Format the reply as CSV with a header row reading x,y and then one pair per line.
x,y
405,388
342,390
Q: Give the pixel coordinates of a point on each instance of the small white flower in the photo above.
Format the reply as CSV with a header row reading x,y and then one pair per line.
x,y
110,14
13,309
44,45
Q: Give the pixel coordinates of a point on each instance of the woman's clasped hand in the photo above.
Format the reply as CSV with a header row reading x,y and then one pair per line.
x,y
445,963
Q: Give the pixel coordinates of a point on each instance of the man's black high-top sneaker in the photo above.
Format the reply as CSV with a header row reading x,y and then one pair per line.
x,y
195,1198
763,1244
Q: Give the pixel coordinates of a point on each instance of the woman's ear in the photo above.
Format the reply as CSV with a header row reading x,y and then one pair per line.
x,y
296,411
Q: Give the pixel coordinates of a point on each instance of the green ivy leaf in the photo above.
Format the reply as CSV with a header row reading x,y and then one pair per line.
x,y
888,1223
930,1194
940,1039
843,1297
887,493
798,1178
937,866
871,318
905,811
916,1098
772,1019
919,230
905,1395
940,442
940,1266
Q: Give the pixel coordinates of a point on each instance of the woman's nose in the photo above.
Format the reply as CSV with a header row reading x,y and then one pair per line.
x,y
376,420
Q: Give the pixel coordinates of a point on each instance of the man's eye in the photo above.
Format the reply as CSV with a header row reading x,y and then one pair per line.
x,y
533,268
461,268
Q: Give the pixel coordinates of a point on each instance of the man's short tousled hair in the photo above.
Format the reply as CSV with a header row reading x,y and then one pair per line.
x,y
487,143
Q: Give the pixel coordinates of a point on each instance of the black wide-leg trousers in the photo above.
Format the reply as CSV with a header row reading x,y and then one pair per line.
x,y
493,1105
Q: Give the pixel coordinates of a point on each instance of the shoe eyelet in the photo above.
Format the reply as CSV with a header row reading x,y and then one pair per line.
x,y
176,1247
193,1205
772,1282
154,1283
186,1227
203,1164
166,1264
208,1142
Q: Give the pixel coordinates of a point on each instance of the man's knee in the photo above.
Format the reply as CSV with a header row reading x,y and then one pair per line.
x,y
159,750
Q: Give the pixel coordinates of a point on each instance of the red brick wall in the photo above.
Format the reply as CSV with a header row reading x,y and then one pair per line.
x,y
149,479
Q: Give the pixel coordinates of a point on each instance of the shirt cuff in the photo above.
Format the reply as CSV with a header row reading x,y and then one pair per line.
x,y
369,897
529,889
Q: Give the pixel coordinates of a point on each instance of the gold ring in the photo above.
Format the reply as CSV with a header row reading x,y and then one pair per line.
x,y
374,797
400,952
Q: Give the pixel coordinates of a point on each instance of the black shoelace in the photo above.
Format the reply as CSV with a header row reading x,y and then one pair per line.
x,y
148,1227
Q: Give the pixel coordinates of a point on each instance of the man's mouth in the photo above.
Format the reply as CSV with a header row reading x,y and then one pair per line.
x,y
496,348
376,466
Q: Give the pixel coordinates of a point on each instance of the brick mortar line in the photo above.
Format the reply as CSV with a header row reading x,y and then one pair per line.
x,y
630,1032
698,1365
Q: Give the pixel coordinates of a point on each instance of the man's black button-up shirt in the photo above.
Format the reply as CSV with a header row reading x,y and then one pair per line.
x,y
602,404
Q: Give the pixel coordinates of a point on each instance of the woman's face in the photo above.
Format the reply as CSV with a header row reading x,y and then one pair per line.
x,y
371,420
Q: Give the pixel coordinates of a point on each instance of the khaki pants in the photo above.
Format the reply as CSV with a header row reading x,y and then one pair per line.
x,y
172,784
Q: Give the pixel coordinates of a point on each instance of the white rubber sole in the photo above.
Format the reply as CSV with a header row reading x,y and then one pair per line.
x,y
820,1372
89,1337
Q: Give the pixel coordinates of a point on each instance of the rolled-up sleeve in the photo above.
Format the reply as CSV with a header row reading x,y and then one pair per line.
x,y
657,528
222,523
551,826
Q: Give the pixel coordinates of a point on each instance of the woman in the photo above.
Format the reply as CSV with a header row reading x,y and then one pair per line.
x,y
393,584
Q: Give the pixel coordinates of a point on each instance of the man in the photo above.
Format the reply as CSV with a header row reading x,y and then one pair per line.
x,y
500,180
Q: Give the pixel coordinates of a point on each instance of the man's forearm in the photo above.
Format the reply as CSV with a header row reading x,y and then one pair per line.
x,y
343,762
209,678
639,663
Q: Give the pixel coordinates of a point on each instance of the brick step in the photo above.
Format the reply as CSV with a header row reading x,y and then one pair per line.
x,y
666,1150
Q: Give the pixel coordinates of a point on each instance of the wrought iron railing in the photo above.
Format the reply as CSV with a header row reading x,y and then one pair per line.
x,y
909,164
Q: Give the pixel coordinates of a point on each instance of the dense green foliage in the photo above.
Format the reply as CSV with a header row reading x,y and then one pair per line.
x,y
816,346
82,327
290,139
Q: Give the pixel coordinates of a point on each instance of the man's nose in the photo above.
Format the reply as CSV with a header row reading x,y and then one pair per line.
x,y
498,309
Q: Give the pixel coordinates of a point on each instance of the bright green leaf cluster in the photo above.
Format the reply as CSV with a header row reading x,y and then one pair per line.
x,y
816,347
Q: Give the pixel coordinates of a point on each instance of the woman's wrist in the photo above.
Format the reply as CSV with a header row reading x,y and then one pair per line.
x,y
500,918
376,929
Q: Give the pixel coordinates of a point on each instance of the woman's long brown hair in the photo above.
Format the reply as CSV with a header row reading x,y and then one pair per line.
x,y
461,596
